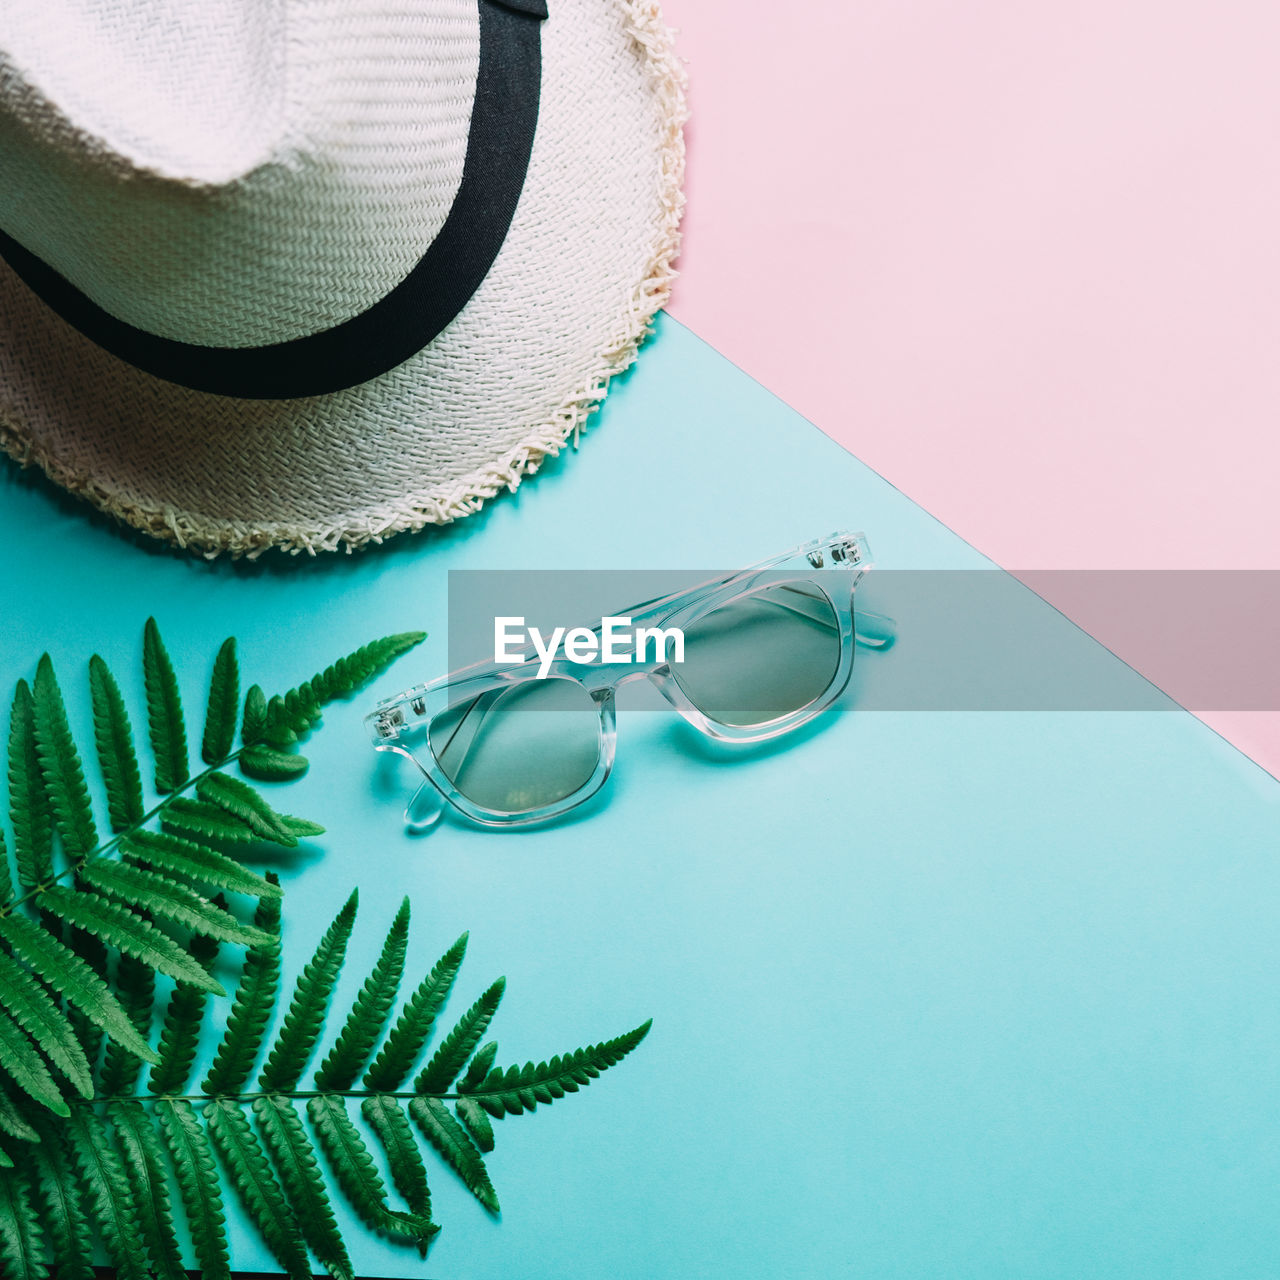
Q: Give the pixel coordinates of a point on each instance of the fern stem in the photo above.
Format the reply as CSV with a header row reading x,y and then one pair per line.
x,y
108,845
296,1095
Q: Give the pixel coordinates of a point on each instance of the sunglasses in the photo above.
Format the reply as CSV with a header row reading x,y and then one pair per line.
x,y
761,652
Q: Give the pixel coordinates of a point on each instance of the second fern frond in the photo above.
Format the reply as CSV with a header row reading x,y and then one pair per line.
x,y
74,897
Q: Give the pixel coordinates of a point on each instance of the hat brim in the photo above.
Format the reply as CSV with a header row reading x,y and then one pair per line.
x,y
586,265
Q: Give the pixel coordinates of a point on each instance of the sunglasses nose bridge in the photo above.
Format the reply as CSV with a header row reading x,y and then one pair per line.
x,y
628,676
602,678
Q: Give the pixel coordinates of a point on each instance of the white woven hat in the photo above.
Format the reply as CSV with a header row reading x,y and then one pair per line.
x,y
277,272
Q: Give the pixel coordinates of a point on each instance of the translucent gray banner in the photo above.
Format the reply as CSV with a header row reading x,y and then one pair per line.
x,y
972,640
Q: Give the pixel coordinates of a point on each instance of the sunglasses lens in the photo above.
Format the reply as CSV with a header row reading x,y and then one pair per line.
x,y
520,747
761,657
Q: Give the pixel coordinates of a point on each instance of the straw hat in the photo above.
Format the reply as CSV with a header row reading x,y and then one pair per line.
x,y
308,273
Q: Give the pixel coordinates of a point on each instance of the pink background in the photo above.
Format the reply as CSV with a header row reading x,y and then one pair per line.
x,y
1019,258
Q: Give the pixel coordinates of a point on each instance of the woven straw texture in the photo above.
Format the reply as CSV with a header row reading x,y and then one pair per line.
x,y
584,268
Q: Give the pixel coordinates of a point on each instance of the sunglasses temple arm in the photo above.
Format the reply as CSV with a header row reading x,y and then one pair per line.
x,y
426,805
875,630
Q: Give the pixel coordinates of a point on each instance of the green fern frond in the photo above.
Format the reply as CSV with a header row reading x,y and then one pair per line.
x,y
130,888
33,1009
368,1017
169,899
251,1012
298,711
519,1089
80,958
398,1054
197,1176
299,1172
129,1153
260,1192
60,766
176,856
164,712
29,808
310,1003
241,801
59,1198
183,1018
113,736
128,932
143,1158
224,705
450,1139
458,1045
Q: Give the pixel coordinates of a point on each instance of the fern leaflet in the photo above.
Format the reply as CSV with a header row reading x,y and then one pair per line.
x,y
297,712
113,736
102,1174
224,705
180,1036
396,1057
368,1017
519,1089
164,712
389,1121
188,860
128,932
26,1067
259,1189
241,801
33,1009
71,975
142,1155
197,1178
60,766
254,1004
22,1252
136,984
295,1161
458,1045
303,1022
450,1139
29,808
67,1227
358,1176
169,898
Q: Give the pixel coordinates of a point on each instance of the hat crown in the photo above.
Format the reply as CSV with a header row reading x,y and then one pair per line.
x,y
181,89
234,173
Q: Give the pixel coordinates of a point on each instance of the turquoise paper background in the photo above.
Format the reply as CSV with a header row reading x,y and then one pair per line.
x,y
934,994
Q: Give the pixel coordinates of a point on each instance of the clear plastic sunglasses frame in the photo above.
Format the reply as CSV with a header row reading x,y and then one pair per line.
x,y
833,565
